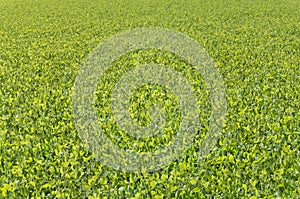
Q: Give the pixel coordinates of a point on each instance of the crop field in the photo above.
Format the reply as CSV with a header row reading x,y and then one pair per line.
x,y
254,152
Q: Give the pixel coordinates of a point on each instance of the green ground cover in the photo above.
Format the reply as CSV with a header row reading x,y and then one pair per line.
x,y
255,45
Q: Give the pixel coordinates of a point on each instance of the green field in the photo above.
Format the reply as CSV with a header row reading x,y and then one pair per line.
x,y
255,45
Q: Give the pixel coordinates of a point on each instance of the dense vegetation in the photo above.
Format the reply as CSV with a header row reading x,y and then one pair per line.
x,y
255,45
